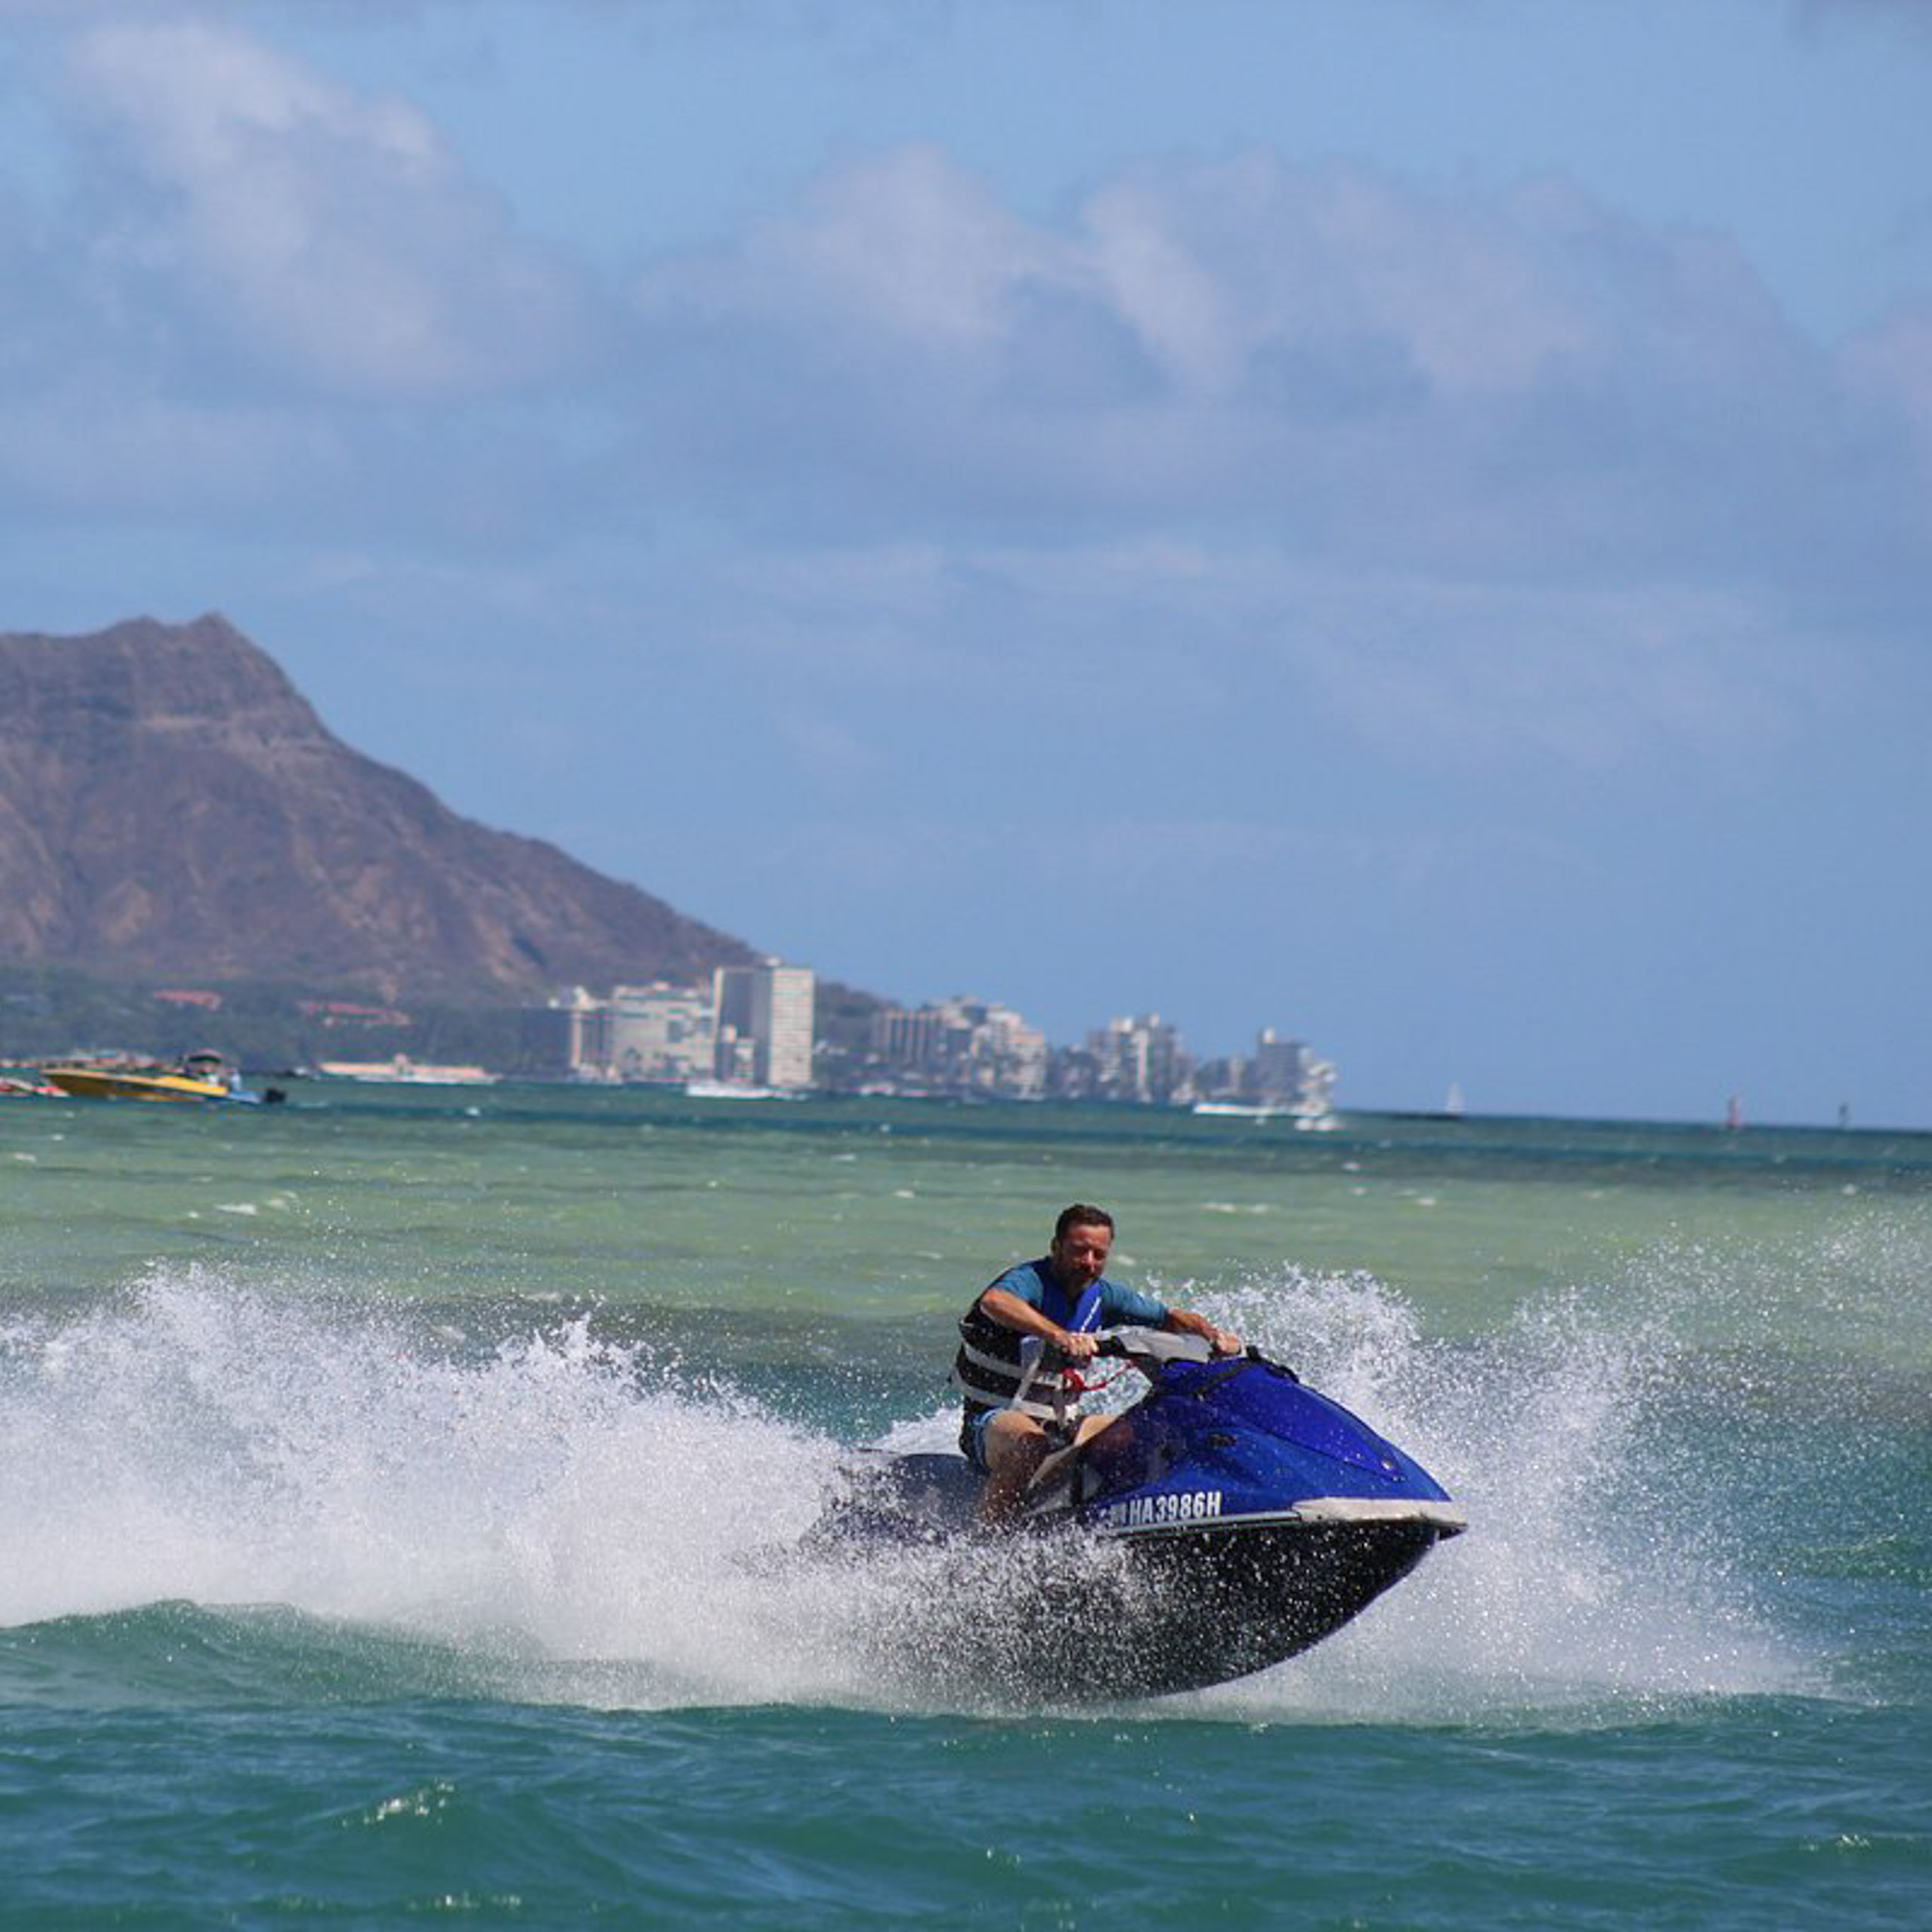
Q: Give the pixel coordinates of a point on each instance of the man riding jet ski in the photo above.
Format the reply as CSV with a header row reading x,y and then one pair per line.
x,y
1020,1344
1230,1519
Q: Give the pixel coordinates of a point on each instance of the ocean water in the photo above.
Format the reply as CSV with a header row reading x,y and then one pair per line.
x,y
394,1490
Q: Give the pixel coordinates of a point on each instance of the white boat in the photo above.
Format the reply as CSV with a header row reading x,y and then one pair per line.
x,y
1313,1118
409,1073
732,1090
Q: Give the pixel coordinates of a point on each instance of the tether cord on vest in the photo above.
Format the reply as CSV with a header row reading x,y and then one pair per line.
x,y
1075,1383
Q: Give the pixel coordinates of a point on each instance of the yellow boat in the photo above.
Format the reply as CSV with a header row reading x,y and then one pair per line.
x,y
199,1077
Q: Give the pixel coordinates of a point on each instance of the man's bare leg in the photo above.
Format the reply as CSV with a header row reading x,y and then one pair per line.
x,y
1016,1447
1089,1426
1018,1461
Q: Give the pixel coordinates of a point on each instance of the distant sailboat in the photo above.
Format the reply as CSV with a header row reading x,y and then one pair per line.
x,y
1454,1103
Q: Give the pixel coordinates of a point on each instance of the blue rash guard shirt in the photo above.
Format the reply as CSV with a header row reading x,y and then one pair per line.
x,y
1036,1285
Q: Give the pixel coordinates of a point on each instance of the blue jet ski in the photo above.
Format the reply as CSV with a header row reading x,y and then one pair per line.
x,y
1230,1518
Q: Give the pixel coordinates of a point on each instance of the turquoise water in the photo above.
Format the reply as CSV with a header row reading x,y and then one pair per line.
x,y
390,1483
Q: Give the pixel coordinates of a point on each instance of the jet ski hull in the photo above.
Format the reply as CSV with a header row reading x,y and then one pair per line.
x,y
1194,1608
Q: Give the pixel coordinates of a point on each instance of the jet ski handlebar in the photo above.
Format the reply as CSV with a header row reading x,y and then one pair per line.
x,y
1152,1349
1159,1345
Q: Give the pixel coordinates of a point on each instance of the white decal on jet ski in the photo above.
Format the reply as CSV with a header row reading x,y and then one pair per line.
x,y
1186,1505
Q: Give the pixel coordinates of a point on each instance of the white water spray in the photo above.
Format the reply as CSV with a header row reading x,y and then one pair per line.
x,y
576,1525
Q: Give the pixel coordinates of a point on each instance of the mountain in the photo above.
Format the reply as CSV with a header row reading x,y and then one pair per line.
x,y
172,807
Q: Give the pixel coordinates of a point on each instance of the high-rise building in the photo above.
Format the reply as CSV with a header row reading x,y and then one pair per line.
x,y
570,1038
660,1032
1140,1059
786,1032
960,1045
769,1008
1287,1073
1279,1067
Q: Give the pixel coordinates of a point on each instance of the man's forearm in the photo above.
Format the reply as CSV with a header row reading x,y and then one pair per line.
x,y
1010,1311
1222,1340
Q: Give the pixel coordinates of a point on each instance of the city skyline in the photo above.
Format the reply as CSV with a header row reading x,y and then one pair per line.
x,y
753,1027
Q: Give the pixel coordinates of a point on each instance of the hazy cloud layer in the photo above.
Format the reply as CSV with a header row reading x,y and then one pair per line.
x,y
1509,463
1524,382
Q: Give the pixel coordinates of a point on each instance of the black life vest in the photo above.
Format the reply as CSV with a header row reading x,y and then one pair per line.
x,y
999,1367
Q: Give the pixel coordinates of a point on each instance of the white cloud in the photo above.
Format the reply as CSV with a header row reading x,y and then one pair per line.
x,y
1238,645
827,748
1222,269
905,252
1585,684
97,446
1891,368
328,234
1515,382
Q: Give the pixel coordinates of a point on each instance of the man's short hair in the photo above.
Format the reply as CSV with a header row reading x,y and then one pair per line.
x,y
1080,1215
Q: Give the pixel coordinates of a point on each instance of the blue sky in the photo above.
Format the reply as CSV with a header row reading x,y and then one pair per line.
x,y
1406,521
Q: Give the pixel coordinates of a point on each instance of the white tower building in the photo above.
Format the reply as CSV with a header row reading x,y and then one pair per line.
x,y
767,1008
